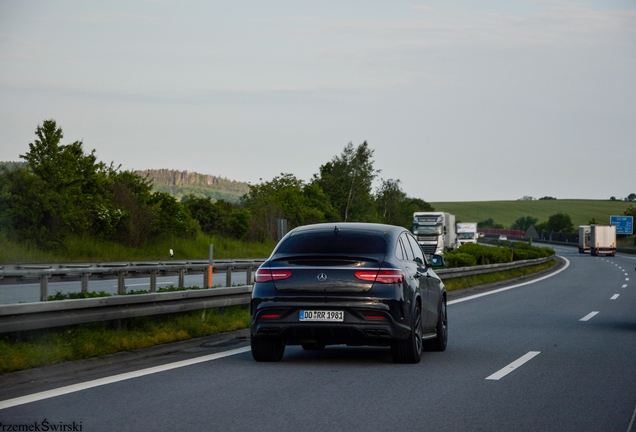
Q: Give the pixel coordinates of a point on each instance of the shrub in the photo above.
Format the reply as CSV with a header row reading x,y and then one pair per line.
x,y
459,259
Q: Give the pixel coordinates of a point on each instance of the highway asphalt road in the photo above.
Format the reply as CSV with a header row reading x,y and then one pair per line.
x,y
557,354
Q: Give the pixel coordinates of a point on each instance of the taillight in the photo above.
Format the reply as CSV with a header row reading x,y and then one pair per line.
x,y
381,276
267,275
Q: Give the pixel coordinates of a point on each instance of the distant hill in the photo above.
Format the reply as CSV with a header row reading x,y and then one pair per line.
x,y
507,212
182,183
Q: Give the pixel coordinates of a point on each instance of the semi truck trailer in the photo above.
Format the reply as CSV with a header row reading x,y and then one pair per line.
x,y
584,238
466,232
603,240
434,231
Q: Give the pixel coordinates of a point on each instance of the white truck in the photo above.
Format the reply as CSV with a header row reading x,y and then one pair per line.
x,y
466,232
602,240
434,231
584,238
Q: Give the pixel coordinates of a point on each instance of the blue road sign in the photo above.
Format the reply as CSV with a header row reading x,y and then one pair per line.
x,y
624,224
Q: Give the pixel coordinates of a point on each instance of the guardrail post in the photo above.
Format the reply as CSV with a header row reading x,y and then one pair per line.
x,y
121,282
85,282
181,278
153,281
248,275
44,287
208,277
228,276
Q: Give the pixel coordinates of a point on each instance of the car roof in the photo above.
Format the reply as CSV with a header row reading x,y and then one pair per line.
x,y
374,228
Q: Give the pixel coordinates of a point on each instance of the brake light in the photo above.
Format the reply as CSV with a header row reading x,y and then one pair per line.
x,y
375,317
270,316
267,275
381,276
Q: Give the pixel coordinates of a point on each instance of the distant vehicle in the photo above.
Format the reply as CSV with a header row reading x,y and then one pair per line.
x,y
503,238
348,283
603,240
434,231
466,232
584,238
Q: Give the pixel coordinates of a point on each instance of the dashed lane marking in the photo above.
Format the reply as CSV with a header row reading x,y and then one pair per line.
x,y
514,365
589,316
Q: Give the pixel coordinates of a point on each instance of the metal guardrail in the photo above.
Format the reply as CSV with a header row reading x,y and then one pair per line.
x,y
32,316
488,268
28,274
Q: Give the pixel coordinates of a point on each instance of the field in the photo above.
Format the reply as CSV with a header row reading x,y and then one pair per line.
x,y
507,212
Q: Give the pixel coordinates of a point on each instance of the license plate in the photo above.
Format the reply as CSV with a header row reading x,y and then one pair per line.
x,y
314,315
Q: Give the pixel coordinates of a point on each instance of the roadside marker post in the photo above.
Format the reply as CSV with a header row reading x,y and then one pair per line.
x,y
210,266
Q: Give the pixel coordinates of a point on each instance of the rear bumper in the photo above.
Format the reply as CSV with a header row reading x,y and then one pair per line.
x,y
387,324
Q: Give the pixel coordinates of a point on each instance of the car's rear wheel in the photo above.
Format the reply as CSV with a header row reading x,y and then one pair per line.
x,y
266,349
440,341
410,350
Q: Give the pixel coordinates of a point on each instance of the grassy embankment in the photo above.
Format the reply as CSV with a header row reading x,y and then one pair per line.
x,y
89,249
46,347
507,212
470,281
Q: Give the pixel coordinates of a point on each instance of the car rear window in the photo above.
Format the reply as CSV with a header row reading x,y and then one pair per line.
x,y
330,243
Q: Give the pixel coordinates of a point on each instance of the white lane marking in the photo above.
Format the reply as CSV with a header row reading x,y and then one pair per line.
x,y
631,423
624,286
115,378
615,296
567,264
589,316
626,279
514,365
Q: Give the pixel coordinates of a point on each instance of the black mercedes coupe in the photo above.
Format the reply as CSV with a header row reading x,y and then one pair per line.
x,y
348,283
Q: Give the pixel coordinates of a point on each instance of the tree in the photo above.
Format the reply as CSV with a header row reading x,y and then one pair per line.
x,y
389,199
631,211
560,222
170,217
489,223
547,198
203,210
631,197
285,197
347,180
61,190
524,222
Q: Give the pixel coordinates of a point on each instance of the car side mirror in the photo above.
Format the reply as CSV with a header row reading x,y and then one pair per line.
x,y
437,261
419,260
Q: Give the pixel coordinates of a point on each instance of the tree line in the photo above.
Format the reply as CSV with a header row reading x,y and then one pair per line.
x,y
62,191
558,222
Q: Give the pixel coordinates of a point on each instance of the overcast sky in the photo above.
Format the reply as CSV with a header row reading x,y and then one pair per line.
x,y
461,100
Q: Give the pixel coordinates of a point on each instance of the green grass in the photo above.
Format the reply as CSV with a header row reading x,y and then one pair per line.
x,y
85,249
39,348
507,212
470,281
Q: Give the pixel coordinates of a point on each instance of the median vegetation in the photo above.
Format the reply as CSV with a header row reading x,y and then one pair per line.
x,y
472,254
46,347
